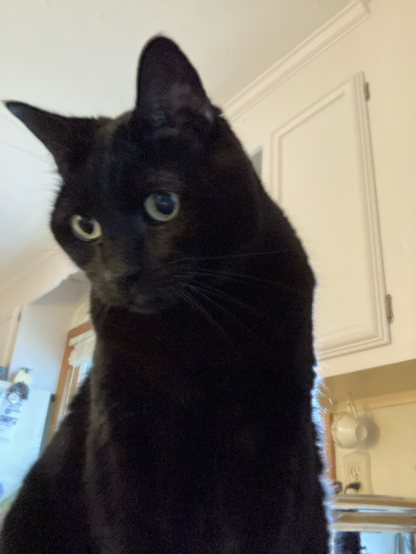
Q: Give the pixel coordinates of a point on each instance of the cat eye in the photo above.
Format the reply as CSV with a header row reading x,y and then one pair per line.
x,y
85,228
162,206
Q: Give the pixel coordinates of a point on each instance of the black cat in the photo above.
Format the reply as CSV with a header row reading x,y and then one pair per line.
x,y
193,433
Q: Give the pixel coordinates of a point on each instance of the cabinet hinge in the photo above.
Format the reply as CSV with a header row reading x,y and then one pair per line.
x,y
367,91
389,308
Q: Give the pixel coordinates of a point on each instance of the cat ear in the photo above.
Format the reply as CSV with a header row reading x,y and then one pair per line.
x,y
64,137
167,84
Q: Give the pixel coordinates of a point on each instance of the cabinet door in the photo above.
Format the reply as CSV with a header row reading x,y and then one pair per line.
x,y
320,171
8,331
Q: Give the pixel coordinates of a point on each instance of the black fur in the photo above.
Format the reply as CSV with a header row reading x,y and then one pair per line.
x,y
193,433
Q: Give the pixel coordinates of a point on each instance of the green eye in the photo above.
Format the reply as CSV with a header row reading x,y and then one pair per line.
x,y
162,206
85,228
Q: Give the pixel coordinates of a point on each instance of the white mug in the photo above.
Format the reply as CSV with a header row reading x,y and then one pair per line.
x,y
348,430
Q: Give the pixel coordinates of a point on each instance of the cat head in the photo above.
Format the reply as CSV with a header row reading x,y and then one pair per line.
x,y
148,196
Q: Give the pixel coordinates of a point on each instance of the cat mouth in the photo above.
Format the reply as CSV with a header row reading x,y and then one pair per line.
x,y
131,295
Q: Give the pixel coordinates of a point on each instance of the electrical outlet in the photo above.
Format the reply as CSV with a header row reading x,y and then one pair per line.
x,y
357,467
355,470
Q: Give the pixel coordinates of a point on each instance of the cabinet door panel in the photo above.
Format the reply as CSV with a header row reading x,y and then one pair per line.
x,y
322,176
317,164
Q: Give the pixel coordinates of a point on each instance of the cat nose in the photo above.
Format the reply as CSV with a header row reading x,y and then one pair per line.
x,y
128,280
122,277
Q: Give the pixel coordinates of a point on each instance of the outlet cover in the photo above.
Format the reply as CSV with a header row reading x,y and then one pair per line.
x,y
357,467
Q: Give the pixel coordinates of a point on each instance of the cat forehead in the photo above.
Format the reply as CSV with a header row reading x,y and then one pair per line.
x,y
119,163
113,134
162,177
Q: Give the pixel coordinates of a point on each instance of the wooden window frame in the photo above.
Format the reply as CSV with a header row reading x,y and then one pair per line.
x,y
65,368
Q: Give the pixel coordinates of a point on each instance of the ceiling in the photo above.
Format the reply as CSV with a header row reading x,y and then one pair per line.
x,y
79,58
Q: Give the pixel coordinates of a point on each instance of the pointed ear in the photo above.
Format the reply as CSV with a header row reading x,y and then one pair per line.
x,y
66,138
167,83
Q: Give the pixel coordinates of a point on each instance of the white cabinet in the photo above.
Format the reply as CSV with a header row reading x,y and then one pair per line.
x,y
8,331
317,164
309,115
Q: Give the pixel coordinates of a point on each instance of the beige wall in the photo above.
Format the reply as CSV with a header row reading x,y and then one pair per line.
x,y
392,447
36,281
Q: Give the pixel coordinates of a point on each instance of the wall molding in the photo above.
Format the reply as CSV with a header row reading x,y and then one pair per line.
x,y
30,268
353,14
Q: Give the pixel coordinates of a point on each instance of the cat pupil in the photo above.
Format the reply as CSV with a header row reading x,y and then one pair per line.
x,y
165,203
86,225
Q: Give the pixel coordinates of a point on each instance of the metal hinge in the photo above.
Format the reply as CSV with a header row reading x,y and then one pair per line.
x,y
389,308
367,91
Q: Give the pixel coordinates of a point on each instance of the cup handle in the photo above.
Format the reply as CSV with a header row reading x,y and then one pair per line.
x,y
352,409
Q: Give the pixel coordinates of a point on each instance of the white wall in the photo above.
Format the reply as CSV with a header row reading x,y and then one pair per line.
x,y
82,313
42,333
36,280
392,447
